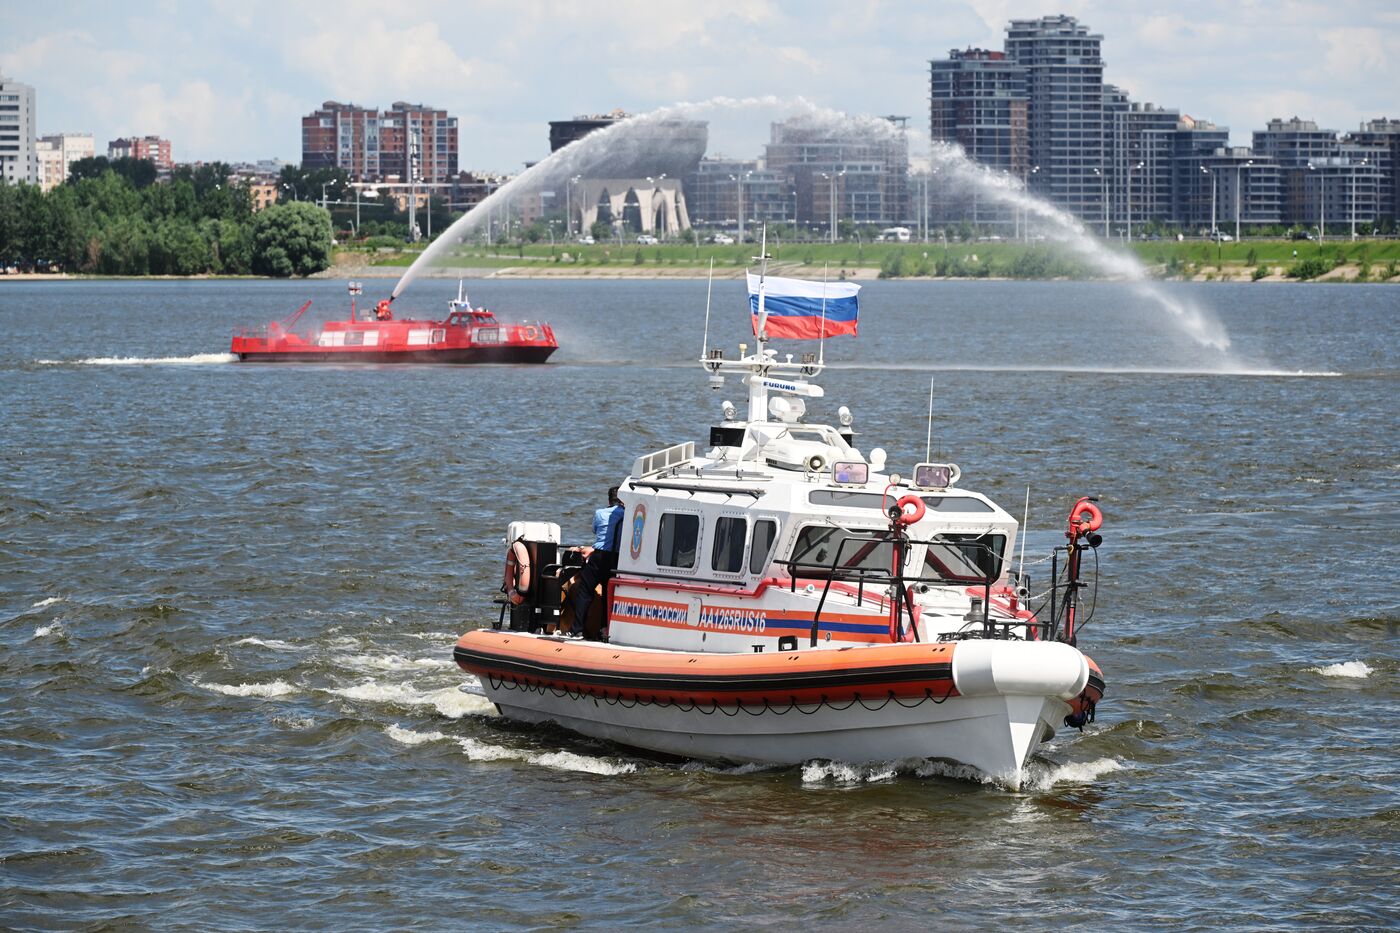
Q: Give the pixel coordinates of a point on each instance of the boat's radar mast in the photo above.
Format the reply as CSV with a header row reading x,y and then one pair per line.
x,y
763,371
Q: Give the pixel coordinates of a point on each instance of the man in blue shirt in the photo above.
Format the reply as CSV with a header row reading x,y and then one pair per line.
x,y
599,560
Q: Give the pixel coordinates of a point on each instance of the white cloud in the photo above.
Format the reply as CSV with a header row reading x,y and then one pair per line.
x,y
1360,48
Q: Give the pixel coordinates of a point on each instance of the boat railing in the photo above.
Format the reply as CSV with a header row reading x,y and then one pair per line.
x,y
662,460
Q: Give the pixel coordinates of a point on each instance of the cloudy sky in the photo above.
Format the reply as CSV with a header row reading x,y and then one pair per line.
x,y
229,79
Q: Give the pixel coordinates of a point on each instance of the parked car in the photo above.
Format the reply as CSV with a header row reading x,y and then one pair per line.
x,y
722,239
646,239
586,240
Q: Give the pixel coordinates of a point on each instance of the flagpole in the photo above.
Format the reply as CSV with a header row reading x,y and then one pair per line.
x,y
762,274
709,288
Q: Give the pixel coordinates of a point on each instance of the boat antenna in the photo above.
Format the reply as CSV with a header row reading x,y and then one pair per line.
x,y
928,441
1025,518
821,347
709,289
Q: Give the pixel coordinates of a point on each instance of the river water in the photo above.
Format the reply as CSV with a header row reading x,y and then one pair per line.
x,y
228,596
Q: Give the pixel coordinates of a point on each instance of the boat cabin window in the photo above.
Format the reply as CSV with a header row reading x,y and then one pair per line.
x,y
727,555
871,500
354,338
817,546
966,558
677,538
765,535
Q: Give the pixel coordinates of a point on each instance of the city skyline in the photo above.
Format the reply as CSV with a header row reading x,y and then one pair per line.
x,y
232,81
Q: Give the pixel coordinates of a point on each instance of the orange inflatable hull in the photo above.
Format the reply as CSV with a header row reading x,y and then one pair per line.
x,y
831,676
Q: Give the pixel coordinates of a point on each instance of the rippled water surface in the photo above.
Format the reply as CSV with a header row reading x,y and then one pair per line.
x,y
228,595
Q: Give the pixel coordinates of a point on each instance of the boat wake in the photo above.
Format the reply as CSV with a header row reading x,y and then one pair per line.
x,y
198,359
447,701
1039,776
1104,370
482,751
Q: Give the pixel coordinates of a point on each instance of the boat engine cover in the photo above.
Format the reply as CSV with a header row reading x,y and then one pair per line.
x,y
1019,668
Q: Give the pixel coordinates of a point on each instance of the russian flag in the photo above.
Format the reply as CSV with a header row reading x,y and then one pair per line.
x,y
802,310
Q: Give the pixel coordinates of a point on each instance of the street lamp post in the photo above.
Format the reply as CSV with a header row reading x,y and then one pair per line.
x,y
1021,209
1353,196
569,206
1103,199
1206,171
831,177
1239,181
1131,169
655,183
1321,203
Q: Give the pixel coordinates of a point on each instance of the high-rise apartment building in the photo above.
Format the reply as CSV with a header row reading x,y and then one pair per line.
x,y
978,101
407,140
1065,90
153,148
857,175
1324,180
58,152
1381,139
1195,197
1141,151
19,161
713,191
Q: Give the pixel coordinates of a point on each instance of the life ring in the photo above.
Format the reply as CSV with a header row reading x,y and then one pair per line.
x,y
531,332
517,582
1085,525
911,510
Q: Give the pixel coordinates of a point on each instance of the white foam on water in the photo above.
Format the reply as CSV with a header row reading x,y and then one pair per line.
x,y
476,750
409,737
568,761
277,688
46,602
44,631
1357,669
390,662
820,772
197,359
295,723
271,643
448,701
1043,776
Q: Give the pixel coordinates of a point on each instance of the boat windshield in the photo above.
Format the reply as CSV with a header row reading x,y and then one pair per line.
x,y
818,545
965,558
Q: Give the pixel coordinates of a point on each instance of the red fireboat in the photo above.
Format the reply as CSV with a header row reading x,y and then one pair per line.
x,y
466,335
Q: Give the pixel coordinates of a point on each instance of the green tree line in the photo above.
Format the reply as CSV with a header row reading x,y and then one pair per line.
x,y
115,218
